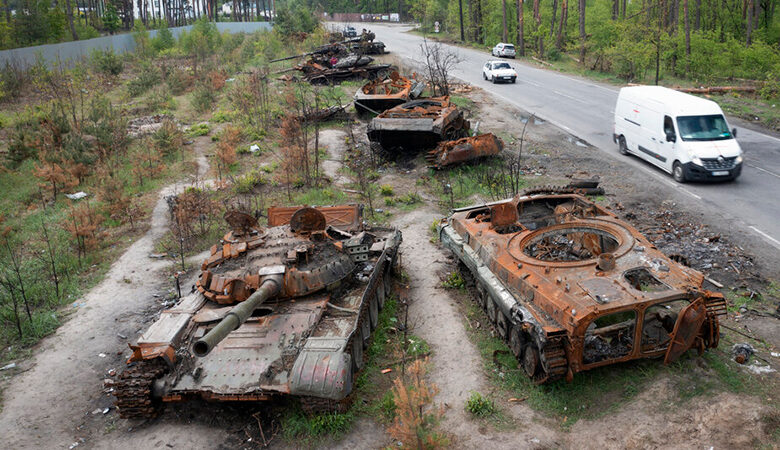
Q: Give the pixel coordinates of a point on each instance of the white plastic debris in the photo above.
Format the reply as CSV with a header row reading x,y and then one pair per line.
x,y
102,355
73,445
254,148
758,369
776,354
8,366
77,196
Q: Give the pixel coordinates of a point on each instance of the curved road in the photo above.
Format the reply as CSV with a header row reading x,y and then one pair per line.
x,y
586,109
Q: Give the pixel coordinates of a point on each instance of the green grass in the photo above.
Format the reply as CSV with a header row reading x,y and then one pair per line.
x,y
461,185
309,429
480,406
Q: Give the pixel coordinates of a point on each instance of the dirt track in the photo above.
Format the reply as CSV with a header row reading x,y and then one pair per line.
x,y
51,404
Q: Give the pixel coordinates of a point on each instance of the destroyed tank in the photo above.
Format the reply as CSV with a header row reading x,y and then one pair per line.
x,y
282,311
450,153
418,124
570,287
384,93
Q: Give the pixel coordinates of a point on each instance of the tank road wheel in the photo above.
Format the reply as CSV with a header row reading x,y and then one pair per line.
x,y
516,342
491,310
365,327
134,389
530,360
356,350
380,293
373,311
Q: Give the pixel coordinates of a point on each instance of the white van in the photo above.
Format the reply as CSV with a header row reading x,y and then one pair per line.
x,y
685,135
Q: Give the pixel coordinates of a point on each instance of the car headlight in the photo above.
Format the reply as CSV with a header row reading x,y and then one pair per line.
x,y
739,159
696,160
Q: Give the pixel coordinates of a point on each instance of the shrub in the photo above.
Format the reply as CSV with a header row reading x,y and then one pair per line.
x,y
200,129
107,62
168,138
160,99
386,190
411,198
203,98
246,184
148,76
163,40
178,81
454,281
479,405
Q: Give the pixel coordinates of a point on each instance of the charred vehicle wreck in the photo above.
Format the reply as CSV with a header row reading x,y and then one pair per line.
x,y
384,93
570,287
281,311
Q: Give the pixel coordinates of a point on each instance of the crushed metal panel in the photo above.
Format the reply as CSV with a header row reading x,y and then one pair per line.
x,y
343,217
465,149
686,329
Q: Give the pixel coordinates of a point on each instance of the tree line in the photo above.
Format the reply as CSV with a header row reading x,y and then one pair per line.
x,y
35,22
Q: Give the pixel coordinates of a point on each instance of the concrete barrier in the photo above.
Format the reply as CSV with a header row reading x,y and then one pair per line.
x,y
68,52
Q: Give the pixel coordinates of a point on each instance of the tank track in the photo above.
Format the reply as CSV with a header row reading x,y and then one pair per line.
x,y
133,389
550,189
554,354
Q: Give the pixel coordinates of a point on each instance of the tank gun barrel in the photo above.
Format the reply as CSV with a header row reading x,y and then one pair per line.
x,y
292,57
237,316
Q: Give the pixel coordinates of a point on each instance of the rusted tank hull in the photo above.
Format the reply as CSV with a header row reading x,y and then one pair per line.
x,y
417,125
282,311
466,149
330,76
570,287
382,94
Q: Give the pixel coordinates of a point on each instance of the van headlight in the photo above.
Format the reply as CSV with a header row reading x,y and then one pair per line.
x,y
739,159
696,160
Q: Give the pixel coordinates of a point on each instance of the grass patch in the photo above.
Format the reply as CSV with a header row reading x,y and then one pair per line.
x,y
480,406
454,281
308,430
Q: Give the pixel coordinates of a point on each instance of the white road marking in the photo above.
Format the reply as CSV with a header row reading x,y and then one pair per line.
x,y
568,96
764,170
772,240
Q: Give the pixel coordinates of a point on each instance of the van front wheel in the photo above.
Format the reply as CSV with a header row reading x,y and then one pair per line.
x,y
622,145
678,173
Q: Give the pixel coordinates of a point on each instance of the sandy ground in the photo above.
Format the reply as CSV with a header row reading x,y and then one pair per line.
x,y
58,400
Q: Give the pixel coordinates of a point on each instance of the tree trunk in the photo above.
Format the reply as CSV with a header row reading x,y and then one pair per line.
x,y
552,22
697,16
460,15
505,34
749,29
623,12
69,12
520,33
539,35
480,34
615,9
687,37
582,31
562,28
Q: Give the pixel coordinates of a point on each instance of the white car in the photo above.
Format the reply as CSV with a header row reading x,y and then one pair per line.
x,y
503,50
496,71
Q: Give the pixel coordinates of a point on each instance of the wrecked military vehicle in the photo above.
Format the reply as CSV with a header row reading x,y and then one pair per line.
x,y
418,124
281,311
570,287
333,63
384,93
466,149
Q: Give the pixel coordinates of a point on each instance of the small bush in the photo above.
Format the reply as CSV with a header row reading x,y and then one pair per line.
x,y
168,139
479,405
203,98
160,100
412,198
246,184
107,62
386,190
454,281
387,405
200,129
389,201
179,81
148,76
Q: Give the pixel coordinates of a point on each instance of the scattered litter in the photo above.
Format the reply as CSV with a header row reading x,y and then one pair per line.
x,y
111,372
516,400
759,369
96,412
535,441
384,371
121,336
8,366
742,352
254,148
776,354
102,355
73,445
77,196
106,410
158,255
580,144
230,80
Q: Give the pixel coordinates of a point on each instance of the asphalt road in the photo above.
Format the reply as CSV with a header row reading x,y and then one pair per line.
x,y
586,109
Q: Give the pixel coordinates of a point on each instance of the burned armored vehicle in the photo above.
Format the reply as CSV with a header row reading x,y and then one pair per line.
x,y
570,287
333,63
417,125
384,93
449,153
281,311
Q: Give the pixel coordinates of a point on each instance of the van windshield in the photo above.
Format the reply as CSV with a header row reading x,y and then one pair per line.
x,y
703,128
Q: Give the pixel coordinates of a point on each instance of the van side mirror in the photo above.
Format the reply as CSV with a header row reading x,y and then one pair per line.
x,y
734,132
670,137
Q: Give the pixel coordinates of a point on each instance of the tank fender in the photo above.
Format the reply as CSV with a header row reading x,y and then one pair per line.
x,y
322,369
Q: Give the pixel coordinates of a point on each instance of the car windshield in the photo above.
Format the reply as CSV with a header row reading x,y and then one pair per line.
x,y
703,128
509,47
501,66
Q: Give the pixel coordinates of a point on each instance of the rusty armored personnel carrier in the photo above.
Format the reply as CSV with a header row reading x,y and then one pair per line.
x,y
418,124
449,153
570,287
281,311
384,93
